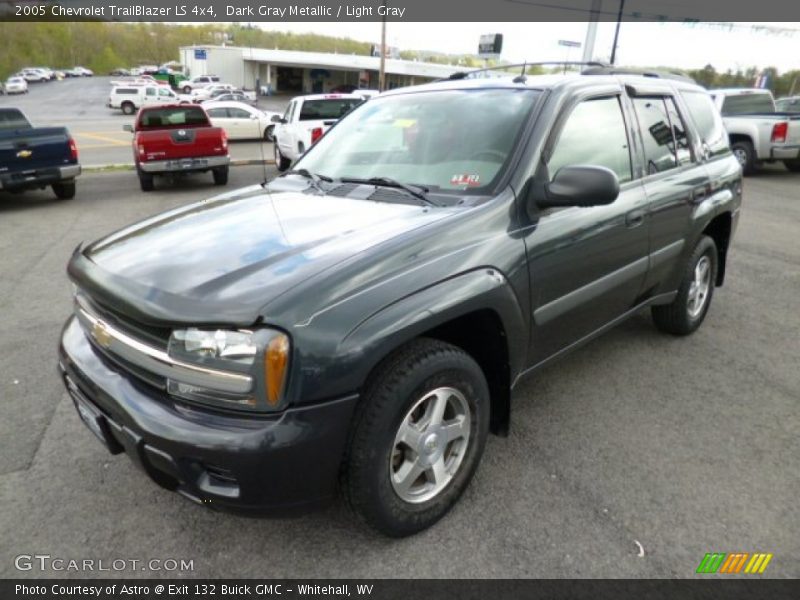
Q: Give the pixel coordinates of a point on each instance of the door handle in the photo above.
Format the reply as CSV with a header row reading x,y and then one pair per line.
x,y
698,194
634,218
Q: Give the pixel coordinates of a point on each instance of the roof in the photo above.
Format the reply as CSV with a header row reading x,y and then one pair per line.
x,y
346,62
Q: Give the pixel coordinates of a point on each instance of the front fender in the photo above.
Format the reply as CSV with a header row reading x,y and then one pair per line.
x,y
484,288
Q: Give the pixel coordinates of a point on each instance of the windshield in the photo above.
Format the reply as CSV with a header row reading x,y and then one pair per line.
x,y
747,103
450,141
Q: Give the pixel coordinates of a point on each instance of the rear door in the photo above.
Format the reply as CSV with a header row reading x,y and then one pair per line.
x,y
674,180
587,265
246,127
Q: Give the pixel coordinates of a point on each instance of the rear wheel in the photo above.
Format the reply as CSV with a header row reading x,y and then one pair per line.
x,y
128,108
745,153
281,162
187,89
685,314
146,181
418,436
220,176
793,165
64,190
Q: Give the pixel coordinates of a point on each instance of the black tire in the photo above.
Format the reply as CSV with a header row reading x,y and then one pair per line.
x,y
187,89
677,318
401,382
746,155
220,176
281,162
64,190
793,165
146,181
269,133
128,108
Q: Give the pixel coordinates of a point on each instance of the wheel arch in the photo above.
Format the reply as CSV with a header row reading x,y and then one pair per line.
x,y
477,311
719,229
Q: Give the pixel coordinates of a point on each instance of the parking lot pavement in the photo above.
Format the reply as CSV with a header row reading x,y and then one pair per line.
x,y
677,446
80,105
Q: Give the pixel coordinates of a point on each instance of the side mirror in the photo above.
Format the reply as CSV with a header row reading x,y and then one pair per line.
x,y
128,128
277,119
580,185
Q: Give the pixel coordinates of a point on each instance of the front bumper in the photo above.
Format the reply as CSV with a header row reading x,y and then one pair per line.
x,y
265,464
784,152
38,178
185,164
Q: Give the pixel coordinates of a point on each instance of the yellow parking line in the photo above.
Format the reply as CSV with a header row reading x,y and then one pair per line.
x,y
103,138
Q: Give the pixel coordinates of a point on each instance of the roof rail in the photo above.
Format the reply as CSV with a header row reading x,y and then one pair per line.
x,y
655,73
525,65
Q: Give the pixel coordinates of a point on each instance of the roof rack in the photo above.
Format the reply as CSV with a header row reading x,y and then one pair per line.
x,y
658,74
521,77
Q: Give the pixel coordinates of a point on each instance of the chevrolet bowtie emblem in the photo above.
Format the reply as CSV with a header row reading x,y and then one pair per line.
x,y
101,334
24,154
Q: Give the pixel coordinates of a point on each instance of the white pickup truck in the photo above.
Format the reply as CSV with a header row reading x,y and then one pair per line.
x,y
306,119
757,132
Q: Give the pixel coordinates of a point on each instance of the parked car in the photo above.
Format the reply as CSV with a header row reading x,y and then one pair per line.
x,y
790,104
16,85
758,133
230,95
363,321
119,72
305,121
198,82
205,93
241,121
36,157
34,75
129,98
80,72
177,139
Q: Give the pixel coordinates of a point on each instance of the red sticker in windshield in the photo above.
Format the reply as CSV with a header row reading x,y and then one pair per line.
x,y
465,179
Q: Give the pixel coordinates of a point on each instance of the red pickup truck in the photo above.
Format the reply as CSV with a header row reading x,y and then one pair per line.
x,y
174,138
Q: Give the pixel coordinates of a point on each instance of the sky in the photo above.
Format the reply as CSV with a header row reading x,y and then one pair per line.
x,y
640,44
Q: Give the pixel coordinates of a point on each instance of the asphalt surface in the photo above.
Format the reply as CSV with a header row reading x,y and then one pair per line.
x,y
632,457
80,105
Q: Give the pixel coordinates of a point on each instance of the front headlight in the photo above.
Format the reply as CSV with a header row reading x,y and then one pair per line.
x,y
262,354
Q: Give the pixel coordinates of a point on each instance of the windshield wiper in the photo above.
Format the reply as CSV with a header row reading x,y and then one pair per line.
x,y
314,178
418,191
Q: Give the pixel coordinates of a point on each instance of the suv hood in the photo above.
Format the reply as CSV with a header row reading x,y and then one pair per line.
x,y
223,259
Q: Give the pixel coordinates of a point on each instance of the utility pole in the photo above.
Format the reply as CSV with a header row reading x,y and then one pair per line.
x,y
591,31
616,33
382,72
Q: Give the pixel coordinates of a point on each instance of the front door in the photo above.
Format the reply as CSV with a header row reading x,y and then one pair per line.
x,y
587,265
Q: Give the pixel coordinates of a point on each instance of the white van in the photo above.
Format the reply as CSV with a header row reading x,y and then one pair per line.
x,y
129,98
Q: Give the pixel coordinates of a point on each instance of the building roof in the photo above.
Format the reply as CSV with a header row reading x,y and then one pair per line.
x,y
325,60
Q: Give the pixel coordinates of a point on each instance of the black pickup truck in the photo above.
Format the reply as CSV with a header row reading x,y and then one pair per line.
x,y
361,322
36,157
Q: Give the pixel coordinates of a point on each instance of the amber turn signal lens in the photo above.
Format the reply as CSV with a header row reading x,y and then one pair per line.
x,y
276,359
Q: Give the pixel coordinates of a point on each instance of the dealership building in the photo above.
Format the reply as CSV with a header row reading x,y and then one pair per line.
x,y
294,72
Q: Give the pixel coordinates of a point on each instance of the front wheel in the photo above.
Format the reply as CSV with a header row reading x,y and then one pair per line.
x,y
64,190
220,176
281,162
418,436
187,89
269,133
685,314
793,165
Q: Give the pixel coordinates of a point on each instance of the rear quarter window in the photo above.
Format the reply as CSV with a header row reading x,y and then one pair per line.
x,y
126,91
707,120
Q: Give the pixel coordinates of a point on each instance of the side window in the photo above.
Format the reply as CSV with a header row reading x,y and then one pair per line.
x,y
164,92
218,113
683,146
707,120
594,134
150,91
659,143
289,112
238,113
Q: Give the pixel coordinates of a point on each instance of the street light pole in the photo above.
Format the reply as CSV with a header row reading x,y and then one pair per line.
x,y
382,72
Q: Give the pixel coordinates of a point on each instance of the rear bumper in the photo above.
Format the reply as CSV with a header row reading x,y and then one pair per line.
x,y
201,163
37,178
784,152
273,465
